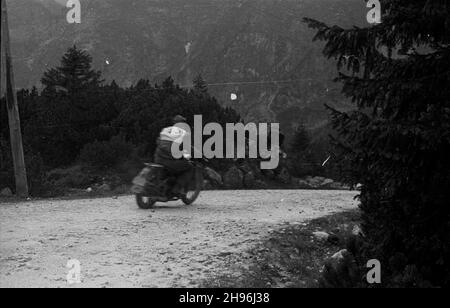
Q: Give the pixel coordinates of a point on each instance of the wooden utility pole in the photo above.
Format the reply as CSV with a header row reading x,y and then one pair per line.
x,y
7,86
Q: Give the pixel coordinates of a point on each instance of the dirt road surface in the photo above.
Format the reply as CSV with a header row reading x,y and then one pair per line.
x,y
119,245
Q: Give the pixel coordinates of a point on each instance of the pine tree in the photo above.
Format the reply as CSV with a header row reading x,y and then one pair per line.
x,y
168,83
74,75
397,141
75,109
200,84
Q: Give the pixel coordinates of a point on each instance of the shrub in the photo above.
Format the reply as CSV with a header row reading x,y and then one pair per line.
x,y
126,170
73,177
106,154
35,174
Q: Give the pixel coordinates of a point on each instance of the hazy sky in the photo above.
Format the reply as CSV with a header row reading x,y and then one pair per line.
x,y
62,2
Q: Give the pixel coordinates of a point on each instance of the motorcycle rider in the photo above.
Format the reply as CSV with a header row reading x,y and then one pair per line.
x,y
181,168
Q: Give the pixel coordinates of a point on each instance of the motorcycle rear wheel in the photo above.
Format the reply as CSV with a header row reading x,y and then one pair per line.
x,y
145,203
194,192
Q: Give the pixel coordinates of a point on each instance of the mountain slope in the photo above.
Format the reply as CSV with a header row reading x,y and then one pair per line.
x,y
239,46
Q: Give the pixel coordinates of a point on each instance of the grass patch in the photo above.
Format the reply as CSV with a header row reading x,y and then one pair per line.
x,y
292,257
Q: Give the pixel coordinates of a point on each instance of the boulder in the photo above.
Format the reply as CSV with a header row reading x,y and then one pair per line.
x,y
317,181
6,192
303,184
339,255
357,231
327,182
320,235
104,188
311,182
336,260
234,178
213,176
320,179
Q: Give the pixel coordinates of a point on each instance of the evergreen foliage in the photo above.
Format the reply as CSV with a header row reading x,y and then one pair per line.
x,y
77,117
397,142
300,160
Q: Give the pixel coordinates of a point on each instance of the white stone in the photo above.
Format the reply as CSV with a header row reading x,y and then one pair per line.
x,y
320,235
339,255
327,182
357,230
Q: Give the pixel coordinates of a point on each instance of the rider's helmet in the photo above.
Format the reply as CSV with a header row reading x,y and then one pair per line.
x,y
179,119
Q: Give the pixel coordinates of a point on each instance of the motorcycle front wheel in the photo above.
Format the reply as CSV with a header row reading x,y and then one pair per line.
x,y
144,203
195,188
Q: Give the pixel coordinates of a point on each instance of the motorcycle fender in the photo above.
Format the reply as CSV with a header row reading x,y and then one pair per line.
x,y
141,179
137,189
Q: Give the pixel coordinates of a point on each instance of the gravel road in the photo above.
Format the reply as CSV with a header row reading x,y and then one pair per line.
x,y
119,245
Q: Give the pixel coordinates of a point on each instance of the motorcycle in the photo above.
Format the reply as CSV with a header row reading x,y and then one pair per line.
x,y
155,183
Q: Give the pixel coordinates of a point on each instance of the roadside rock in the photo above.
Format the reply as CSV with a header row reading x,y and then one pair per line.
x,y
234,178
357,231
315,182
303,184
339,255
6,192
318,182
327,183
213,176
104,188
320,235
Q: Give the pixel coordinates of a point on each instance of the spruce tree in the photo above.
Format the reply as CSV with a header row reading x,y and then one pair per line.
x,y
74,75
396,142
75,109
200,84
